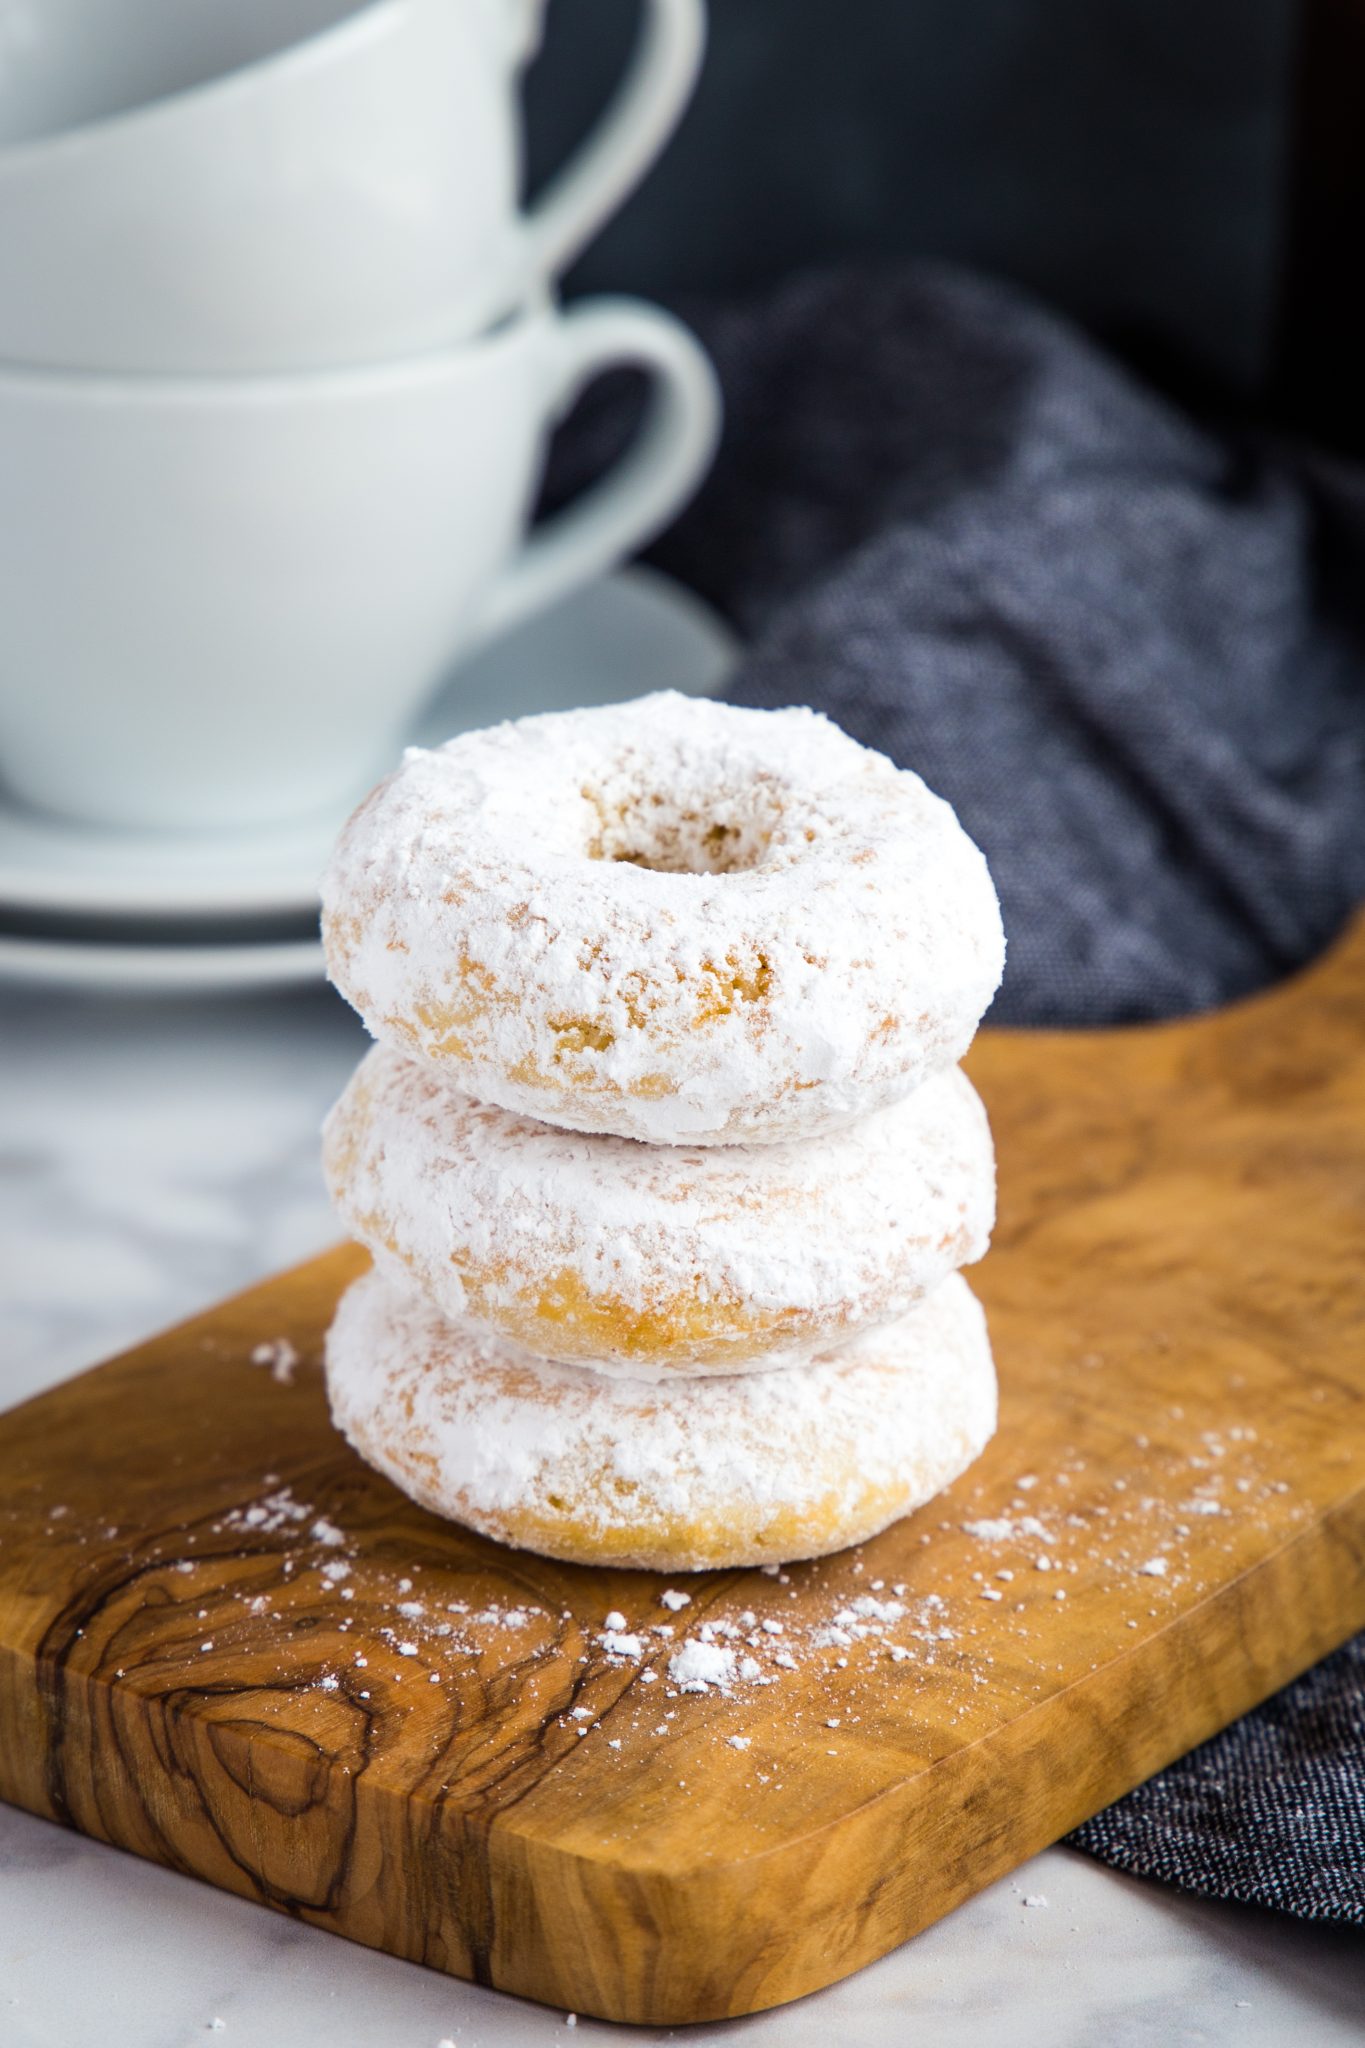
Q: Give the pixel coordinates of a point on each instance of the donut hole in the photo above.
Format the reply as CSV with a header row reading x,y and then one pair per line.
x,y
726,833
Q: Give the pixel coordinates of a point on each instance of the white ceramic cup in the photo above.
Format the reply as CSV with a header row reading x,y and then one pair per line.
x,y
234,186
222,601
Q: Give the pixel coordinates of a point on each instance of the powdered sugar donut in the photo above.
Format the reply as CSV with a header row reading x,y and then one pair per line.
x,y
672,920
679,1476
653,1259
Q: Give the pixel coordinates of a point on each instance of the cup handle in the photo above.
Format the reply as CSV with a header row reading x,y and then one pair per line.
x,y
649,100
658,472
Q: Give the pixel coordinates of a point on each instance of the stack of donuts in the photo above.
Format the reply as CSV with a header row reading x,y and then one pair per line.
x,y
663,1154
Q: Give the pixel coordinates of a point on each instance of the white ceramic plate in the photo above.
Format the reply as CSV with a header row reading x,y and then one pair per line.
x,y
157,970
632,632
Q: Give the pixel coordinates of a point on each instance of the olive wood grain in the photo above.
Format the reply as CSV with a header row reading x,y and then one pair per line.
x,y
1178,1308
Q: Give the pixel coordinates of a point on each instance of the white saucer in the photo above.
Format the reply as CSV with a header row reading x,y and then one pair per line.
x,y
158,970
632,632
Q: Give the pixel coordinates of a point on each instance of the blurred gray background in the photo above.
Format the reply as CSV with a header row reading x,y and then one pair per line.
x,y
1125,159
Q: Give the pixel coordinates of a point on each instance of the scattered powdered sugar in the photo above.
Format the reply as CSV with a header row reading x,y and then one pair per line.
x,y
1000,1529
819,1649
865,1608
278,1510
618,1644
281,1357
697,1666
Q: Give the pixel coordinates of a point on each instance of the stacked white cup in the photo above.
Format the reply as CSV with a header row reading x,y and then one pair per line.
x,y
279,359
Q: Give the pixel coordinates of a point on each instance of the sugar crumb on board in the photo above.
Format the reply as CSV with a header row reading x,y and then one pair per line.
x,y
280,1357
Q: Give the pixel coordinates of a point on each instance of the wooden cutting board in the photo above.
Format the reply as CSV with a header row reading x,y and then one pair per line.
x,y
226,1645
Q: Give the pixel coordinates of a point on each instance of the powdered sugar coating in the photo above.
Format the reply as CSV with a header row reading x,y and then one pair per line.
x,y
650,1260
683,1475
673,920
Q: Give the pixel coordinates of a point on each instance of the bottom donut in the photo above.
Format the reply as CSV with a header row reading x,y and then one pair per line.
x,y
758,1468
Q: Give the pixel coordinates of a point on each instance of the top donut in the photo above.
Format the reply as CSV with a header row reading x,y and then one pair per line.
x,y
671,920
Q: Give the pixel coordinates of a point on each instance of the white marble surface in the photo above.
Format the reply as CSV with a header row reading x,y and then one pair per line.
x,y
155,1156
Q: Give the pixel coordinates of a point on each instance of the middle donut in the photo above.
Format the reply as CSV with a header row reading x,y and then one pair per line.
x,y
644,1260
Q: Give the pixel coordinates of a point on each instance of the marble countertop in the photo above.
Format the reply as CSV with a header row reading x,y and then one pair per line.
x,y
154,1156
